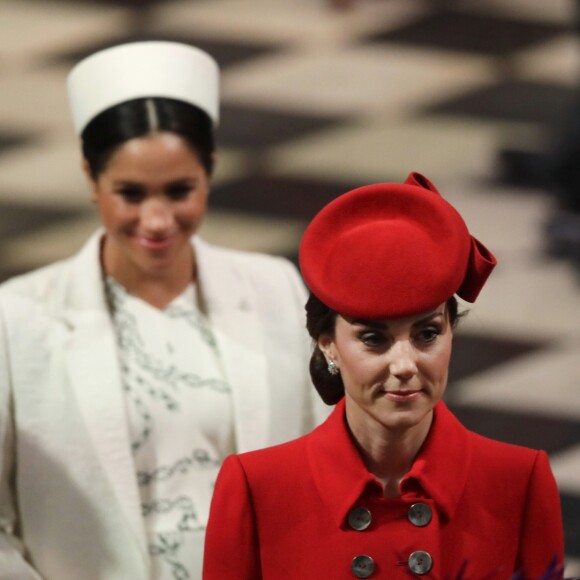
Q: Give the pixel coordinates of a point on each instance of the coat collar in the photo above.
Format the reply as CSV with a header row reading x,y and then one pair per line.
x,y
442,465
439,471
231,304
338,470
80,288
90,357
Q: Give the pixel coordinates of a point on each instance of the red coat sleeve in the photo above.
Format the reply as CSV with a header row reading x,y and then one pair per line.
x,y
542,536
231,544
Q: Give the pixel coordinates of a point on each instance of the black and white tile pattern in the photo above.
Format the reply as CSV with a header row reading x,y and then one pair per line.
x,y
317,101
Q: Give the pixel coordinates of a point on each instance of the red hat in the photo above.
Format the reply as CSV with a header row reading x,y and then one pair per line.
x,y
391,250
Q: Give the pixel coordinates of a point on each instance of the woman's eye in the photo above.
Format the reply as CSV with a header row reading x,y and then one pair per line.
x,y
131,194
179,192
372,338
429,334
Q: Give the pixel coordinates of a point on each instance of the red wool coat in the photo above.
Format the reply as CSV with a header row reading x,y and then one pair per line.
x,y
283,512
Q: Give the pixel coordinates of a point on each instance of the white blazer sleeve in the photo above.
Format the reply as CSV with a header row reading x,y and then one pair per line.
x,y
13,566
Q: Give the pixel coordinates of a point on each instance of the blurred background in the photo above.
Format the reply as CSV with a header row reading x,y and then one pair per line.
x,y
320,96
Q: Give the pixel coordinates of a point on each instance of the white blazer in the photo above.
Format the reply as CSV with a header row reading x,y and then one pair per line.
x,y
69,502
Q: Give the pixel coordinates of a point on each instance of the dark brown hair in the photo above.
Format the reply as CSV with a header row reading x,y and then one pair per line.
x,y
141,117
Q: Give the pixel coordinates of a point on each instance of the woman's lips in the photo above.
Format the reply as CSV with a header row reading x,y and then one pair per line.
x,y
155,244
403,395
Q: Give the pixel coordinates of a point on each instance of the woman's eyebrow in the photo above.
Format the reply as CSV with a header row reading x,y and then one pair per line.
x,y
380,325
183,180
130,182
428,318
377,324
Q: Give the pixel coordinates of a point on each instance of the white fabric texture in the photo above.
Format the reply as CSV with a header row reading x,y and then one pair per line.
x,y
180,420
70,505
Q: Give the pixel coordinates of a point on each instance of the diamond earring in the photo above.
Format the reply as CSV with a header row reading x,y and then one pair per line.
x,y
332,368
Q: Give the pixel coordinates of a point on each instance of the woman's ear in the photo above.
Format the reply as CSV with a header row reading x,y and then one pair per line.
x,y
89,175
86,169
326,345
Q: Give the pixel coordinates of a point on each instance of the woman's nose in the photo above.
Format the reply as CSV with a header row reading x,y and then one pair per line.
x,y
403,363
156,215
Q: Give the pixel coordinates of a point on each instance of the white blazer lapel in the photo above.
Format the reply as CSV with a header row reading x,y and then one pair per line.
x,y
231,308
92,365
91,362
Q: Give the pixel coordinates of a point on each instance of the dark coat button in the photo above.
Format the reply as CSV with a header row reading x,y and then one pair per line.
x,y
420,562
420,514
362,566
359,519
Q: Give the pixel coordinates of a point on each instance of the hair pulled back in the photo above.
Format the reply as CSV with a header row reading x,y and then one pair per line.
x,y
141,117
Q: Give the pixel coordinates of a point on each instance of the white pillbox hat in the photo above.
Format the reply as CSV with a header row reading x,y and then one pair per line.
x,y
139,70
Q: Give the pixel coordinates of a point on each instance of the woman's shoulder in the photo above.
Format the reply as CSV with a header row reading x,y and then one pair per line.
x,y
36,284
41,284
279,461
281,453
511,455
248,259
481,448
287,460
260,274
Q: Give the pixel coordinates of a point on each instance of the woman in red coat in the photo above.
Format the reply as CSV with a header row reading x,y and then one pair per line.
x,y
391,485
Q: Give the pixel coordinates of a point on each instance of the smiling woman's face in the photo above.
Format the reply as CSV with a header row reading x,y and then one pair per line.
x,y
152,197
394,371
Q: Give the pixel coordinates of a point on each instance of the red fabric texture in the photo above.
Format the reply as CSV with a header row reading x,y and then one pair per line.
x,y
281,513
390,250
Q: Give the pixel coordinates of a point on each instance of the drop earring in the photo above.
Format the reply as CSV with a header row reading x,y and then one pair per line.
x,y
332,368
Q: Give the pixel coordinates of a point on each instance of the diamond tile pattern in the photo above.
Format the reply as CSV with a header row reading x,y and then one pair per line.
x,y
476,33
20,220
515,101
226,53
272,195
259,128
10,140
475,353
317,104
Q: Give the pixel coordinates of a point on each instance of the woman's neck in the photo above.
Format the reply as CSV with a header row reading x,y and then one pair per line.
x,y
156,288
158,292
389,454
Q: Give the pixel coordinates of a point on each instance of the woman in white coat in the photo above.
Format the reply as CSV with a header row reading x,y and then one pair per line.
x,y
129,371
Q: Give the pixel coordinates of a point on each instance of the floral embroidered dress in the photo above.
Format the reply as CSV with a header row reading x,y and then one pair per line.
x,y
180,421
